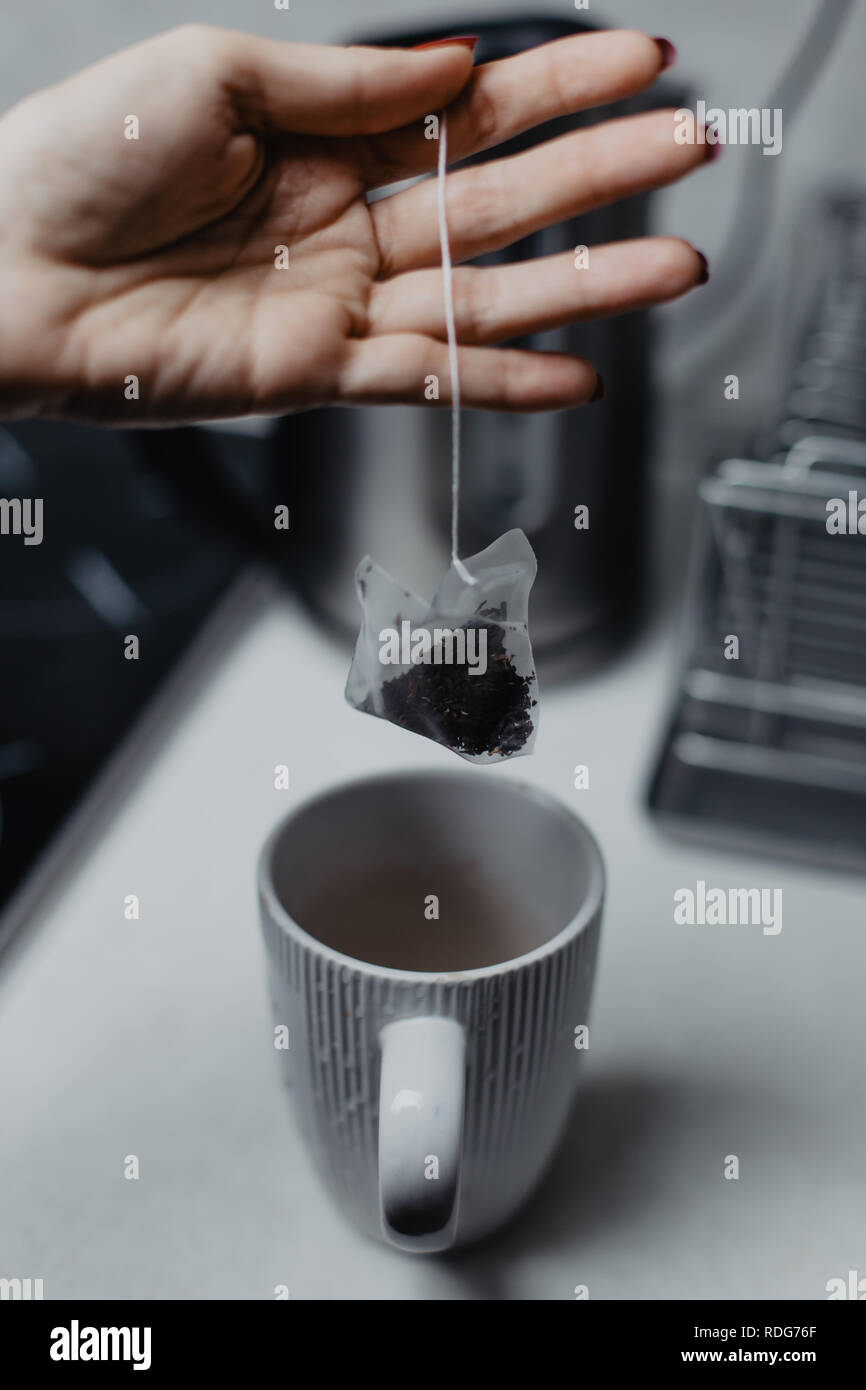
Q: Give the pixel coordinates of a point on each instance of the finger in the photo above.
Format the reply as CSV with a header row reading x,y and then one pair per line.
x,y
504,98
321,89
403,368
497,203
494,303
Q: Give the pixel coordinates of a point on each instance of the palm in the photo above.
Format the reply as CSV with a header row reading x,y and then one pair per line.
x,y
168,262
184,291
261,302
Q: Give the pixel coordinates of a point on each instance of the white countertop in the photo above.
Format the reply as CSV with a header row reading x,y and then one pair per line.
x,y
154,1038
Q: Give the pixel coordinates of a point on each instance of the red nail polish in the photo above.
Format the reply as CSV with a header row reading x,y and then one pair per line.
x,y
705,267
598,393
668,52
467,40
714,151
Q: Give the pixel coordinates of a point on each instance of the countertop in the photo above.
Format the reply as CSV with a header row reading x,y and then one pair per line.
x,y
153,1037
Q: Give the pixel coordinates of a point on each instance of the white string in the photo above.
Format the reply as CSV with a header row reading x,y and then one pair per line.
x,y
452,349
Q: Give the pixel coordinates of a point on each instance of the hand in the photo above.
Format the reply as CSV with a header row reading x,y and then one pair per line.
x,y
156,257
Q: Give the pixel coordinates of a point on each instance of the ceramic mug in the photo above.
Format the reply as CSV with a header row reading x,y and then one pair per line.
x,y
431,941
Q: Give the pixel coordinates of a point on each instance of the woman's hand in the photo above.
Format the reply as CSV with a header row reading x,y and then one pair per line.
x,y
157,257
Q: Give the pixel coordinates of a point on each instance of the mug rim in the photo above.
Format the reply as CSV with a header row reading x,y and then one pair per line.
x,y
585,914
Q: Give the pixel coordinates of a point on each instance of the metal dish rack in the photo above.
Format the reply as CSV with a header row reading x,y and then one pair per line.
x,y
767,748
772,743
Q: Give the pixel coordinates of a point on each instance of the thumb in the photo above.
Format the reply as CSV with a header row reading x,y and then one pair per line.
x,y
320,89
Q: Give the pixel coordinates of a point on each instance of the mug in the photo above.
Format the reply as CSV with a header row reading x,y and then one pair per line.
x,y
431,941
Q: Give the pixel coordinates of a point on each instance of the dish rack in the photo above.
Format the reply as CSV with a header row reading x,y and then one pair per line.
x,y
826,392
767,746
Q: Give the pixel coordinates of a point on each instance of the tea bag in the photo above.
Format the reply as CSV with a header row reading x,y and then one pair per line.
x,y
458,670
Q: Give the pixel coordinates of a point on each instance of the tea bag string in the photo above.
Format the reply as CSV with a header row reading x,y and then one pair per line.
x,y
453,366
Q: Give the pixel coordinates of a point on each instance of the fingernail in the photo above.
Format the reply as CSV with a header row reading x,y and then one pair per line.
x,y
668,52
705,267
713,149
468,41
598,393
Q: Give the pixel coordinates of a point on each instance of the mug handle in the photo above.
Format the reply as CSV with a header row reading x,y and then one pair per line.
x,y
421,1091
